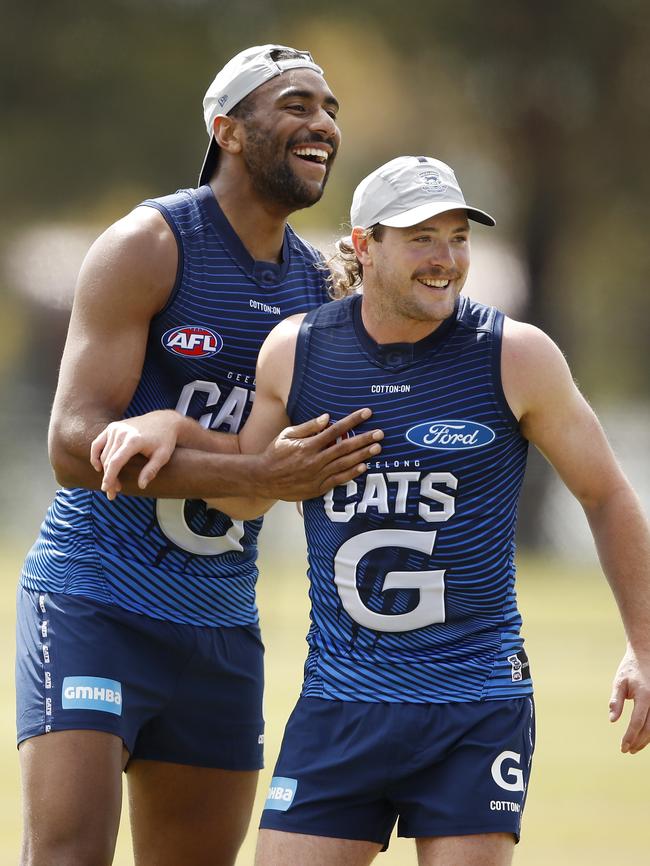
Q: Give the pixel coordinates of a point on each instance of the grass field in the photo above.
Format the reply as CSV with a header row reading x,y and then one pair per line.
x,y
588,804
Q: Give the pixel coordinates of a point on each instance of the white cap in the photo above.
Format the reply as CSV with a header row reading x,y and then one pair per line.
x,y
239,77
407,190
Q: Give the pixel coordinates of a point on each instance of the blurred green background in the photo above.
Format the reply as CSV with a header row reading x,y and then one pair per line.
x,y
544,112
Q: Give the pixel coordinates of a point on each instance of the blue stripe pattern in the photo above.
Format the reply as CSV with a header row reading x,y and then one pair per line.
x,y
172,565
460,622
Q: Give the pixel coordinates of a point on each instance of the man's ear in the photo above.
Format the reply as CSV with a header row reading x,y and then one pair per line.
x,y
360,241
228,133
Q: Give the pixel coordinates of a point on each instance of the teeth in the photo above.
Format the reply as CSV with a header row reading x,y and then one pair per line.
x,y
312,151
435,284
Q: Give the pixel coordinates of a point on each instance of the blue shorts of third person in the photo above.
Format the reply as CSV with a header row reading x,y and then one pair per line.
x,y
178,693
350,770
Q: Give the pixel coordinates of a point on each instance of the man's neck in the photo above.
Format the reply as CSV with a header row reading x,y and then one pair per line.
x,y
386,326
259,224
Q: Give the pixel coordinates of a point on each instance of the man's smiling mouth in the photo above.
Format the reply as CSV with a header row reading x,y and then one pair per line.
x,y
311,154
434,284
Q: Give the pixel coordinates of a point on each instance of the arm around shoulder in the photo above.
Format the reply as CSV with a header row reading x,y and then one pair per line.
x,y
315,449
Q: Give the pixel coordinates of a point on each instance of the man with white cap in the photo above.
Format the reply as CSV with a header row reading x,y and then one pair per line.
x,y
138,638
417,700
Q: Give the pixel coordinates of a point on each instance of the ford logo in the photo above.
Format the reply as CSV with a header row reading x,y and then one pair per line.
x,y
450,435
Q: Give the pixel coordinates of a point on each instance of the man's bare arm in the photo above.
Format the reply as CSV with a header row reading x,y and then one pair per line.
x,y
125,280
268,416
557,419
302,462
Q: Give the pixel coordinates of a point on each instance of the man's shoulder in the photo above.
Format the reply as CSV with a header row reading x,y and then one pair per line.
x,y
286,331
334,314
527,341
137,250
533,367
181,209
476,316
142,230
180,197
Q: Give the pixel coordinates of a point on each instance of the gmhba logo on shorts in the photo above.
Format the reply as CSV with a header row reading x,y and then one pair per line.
x,y
92,693
455,435
281,793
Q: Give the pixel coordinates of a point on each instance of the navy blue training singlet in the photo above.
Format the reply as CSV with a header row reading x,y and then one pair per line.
x,y
412,564
172,559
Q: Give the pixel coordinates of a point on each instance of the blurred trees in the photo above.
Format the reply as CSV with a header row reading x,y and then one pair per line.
x,y
544,109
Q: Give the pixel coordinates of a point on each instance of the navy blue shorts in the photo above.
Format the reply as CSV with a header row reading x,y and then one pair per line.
x,y
178,693
349,770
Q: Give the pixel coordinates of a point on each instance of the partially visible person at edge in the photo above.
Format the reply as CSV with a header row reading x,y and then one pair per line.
x,y
417,700
138,644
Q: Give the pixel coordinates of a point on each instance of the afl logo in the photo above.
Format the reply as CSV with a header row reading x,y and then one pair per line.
x,y
192,341
450,435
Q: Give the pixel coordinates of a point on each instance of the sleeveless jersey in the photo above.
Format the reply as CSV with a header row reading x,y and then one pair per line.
x,y
412,564
172,559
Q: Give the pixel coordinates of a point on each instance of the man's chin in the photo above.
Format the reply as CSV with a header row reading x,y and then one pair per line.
x,y
306,197
289,191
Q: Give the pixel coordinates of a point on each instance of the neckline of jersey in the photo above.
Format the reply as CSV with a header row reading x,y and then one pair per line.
x,y
399,355
264,273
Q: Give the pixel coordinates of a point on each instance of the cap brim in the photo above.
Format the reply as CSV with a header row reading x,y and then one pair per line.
x,y
210,162
424,211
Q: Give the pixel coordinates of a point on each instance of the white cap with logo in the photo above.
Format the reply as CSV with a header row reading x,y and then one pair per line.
x,y
242,74
408,190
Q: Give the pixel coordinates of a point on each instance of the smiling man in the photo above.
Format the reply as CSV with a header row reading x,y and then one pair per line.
x,y
417,702
138,638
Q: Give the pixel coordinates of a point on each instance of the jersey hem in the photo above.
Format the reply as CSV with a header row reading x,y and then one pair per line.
x,y
483,699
